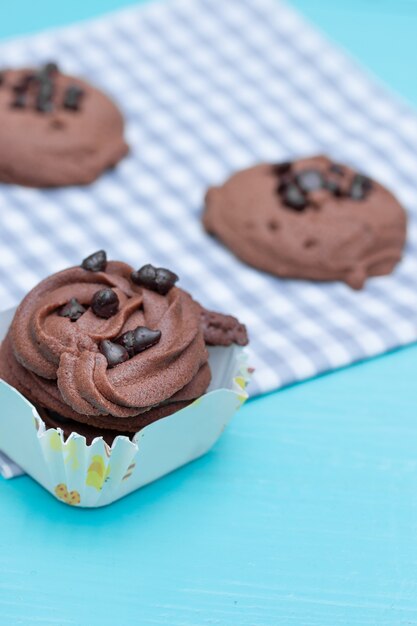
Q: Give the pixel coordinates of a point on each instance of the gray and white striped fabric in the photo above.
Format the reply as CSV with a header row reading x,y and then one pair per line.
x,y
208,87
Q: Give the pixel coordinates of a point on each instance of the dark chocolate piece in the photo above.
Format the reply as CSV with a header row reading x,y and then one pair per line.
x,y
43,106
140,339
145,276
283,184
165,280
96,262
284,173
72,97
114,352
46,74
360,187
334,187
293,197
145,338
127,340
336,168
157,279
282,168
309,180
73,309
44,97
50,68
105,303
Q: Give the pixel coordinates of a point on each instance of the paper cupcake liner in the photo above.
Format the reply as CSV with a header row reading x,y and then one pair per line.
x,y
96,475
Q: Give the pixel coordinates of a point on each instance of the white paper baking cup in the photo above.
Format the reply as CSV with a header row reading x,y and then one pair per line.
x,y
97,474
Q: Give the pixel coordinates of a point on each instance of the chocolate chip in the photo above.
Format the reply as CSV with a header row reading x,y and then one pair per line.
x,y
127,340
282,168
145,338
114,352
284,173
157,279
165,280
145,276
46,89
140,339
44,106
105,303
333,187
73,309
44,97
50,68
337,169
309,180
72,97
96,262
293,197
46,73
360,187
285,180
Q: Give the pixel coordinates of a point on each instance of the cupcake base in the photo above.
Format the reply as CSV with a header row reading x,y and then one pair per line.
x,y
86,471
69,427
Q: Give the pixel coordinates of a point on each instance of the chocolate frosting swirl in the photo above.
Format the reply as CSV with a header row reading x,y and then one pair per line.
x,y
59,363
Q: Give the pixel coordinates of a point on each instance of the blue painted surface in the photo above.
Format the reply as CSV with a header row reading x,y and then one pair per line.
x,y
305,512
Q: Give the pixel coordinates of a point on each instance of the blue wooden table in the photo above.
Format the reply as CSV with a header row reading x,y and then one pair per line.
x,y
305,512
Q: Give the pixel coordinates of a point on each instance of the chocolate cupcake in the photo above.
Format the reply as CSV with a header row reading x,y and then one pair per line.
x,y
102,350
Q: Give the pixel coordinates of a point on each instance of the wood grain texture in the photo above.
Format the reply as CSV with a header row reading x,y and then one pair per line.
x,y
304,514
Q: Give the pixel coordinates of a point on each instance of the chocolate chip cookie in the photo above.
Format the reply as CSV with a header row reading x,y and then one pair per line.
x,y
310,219
56,130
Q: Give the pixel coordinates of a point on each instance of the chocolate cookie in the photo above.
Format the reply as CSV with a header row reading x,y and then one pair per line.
x,y
222,330
93,346
311,219
56,130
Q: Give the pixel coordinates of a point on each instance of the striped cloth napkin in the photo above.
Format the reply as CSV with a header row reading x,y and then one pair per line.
x,y
206,88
